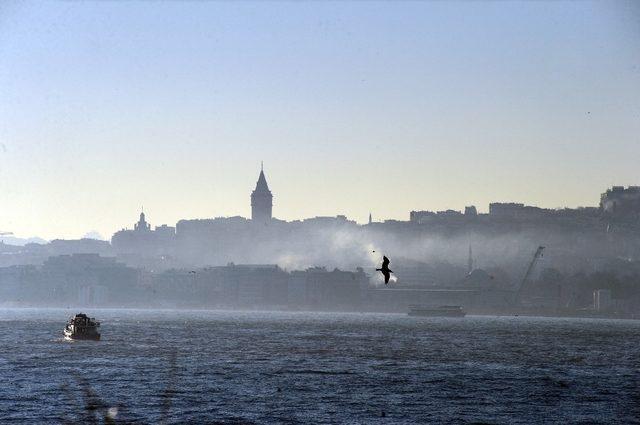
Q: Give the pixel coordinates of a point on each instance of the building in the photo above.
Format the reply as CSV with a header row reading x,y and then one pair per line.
x,y
602,300
517,211
142,241
261,200
470,211
505,209
319,289
78,246
85,280
421,216
142,225
621,202
233,285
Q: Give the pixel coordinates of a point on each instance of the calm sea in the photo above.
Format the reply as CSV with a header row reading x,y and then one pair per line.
x,y
265,367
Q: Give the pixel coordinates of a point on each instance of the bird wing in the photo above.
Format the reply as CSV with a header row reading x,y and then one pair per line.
x,y
387,275
385,261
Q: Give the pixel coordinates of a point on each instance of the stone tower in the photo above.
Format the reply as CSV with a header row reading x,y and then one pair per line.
x,y
261,200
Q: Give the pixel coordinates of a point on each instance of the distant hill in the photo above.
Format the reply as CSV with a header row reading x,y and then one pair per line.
x,y
12,240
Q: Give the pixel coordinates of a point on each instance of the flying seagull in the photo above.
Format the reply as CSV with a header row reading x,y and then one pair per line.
x,y
385,269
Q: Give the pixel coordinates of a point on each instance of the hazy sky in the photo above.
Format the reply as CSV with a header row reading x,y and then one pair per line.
x,y
353,106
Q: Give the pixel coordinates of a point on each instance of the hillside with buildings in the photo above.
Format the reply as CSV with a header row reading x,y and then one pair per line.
x,y
329,263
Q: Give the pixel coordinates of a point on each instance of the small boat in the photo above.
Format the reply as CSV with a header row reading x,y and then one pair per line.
x,y
441,311
82,327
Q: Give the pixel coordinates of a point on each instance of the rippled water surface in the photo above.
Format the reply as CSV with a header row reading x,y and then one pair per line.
x,y
236,367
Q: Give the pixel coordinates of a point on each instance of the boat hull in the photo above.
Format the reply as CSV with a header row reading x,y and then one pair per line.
x,y
70,336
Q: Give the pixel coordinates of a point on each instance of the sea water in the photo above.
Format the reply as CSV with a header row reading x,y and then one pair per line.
x,y
268,367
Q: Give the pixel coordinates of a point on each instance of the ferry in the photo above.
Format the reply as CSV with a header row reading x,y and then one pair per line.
x,y
441,311
82,327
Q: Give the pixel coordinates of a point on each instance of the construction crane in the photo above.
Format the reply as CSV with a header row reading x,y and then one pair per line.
x,y
535,259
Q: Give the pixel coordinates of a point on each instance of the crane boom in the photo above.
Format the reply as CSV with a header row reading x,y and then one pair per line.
x,y
536,256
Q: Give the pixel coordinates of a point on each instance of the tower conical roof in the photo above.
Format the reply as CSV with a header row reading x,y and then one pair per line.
x,y
261,185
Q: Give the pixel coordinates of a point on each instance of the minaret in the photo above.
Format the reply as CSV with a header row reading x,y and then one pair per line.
x,y
369,218
261,200
470,261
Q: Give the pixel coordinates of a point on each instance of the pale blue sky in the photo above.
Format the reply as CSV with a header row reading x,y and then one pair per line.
x,y
353,106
